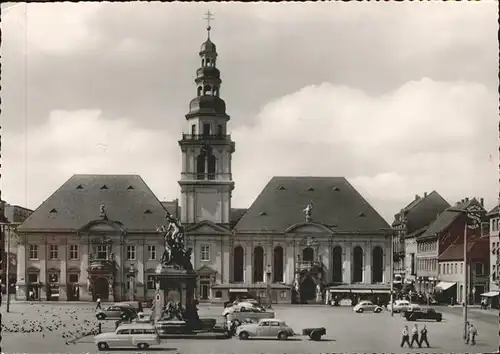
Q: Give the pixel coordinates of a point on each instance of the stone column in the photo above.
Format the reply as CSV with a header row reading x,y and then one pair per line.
x,y
347,263
290,263
63,277
42,255
21,291
325,251
248,276
367,263
139,277
225,261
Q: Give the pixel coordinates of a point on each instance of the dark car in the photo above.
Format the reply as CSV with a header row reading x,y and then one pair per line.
x,y
423,314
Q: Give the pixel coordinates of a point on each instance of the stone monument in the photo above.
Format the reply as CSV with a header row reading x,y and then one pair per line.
x,y
175,277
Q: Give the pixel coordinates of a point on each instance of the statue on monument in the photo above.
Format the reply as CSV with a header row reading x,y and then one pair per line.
x,y
175,254
102,212
308,212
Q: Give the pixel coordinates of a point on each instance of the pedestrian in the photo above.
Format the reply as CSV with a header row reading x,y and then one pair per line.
x,y
414,335
405,337
31,297
423,337
98,307
472,334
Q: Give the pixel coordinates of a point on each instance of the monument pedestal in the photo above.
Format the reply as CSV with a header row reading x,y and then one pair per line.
x,y
174,285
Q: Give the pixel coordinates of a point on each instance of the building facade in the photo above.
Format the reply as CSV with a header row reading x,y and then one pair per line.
x,y
447,229
494,222
96,236
451,271
409,223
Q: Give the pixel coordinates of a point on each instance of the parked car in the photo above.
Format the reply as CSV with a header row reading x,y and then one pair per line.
x,y
265,328
423,314
139,335
401,305
243,307
367,306
116,311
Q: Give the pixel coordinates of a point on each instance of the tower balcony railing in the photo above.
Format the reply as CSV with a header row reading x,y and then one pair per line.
x,y
206,176
206,137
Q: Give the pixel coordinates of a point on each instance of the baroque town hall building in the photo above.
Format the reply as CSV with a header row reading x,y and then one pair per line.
x,y
96,236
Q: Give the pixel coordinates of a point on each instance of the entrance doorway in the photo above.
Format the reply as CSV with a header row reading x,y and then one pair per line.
x,y
100,289
204,289
308,289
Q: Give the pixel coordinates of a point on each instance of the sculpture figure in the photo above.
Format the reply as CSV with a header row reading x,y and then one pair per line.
x,y
175,253
102,212
308,212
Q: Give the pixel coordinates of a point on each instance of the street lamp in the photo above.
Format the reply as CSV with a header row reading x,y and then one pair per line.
x,y
473,213
269,299
7,227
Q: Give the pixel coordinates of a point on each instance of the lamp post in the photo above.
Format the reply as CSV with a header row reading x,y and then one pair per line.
x,y
269,299
473,214
6,228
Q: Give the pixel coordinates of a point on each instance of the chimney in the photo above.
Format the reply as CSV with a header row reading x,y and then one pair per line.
x,y
425,194
417,197
466,199
481,201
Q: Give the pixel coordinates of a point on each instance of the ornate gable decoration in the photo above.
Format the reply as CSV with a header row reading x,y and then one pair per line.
x,y
308,227
207,227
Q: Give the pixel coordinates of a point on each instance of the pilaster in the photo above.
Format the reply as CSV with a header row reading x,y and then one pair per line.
x,y
346,263
367,263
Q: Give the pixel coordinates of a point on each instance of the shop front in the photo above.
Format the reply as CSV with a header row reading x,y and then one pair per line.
x,y
73,287
33,285
53,290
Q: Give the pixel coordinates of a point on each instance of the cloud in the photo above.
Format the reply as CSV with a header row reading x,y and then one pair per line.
x,y
423,136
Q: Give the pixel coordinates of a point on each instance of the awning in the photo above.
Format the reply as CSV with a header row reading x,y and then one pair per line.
x,y
378,291
491,294
357,291
238,290
445,285
339,290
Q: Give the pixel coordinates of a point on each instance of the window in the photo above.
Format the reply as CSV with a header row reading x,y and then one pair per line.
x,y
136,331
152,252
206,129
149,331
447,268
151,282
33,249
32,278
461,268
73,278
73,252
102,252
262,294
440,269
193,129
479,269
53,252
456,268
275,324
123,331
283,294
218,294
205,252
131,253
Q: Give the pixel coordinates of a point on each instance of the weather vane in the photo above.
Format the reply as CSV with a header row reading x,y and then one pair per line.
x,y
209,17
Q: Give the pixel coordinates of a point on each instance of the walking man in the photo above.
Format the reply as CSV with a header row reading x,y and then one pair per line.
x,y
405,337
423,337
98,307
472,334
414,336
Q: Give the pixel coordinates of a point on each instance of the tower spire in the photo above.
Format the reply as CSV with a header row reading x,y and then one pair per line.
x,y
209,17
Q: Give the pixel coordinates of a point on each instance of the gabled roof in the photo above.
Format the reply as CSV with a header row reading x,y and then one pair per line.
x,y
235,216
423,211
336,204
447,217
476,250
493,212
77,202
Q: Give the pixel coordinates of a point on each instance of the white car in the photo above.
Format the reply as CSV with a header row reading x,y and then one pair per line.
x,y
139,335
272,328
401,305
367,306
243,307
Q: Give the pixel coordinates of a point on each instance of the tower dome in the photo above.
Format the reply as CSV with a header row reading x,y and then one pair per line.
x,y
208,47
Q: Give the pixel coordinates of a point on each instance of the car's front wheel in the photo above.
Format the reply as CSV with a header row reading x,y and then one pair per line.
x,y
101,316
377,310
360,311
102,346
244,335
143,346
283,336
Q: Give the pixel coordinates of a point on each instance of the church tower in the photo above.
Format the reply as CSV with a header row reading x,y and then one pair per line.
x,y
206,178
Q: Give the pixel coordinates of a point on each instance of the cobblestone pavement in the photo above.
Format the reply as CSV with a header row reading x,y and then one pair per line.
x,y
346,332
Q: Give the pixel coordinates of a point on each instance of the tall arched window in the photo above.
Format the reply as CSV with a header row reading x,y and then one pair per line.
x,y
199,90
278,264
207,90
211,163
200,165
357,274
220,130
258,264
337,264
377,265
308,254
238,257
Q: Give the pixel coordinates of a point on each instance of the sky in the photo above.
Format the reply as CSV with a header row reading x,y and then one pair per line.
x,y
400,98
